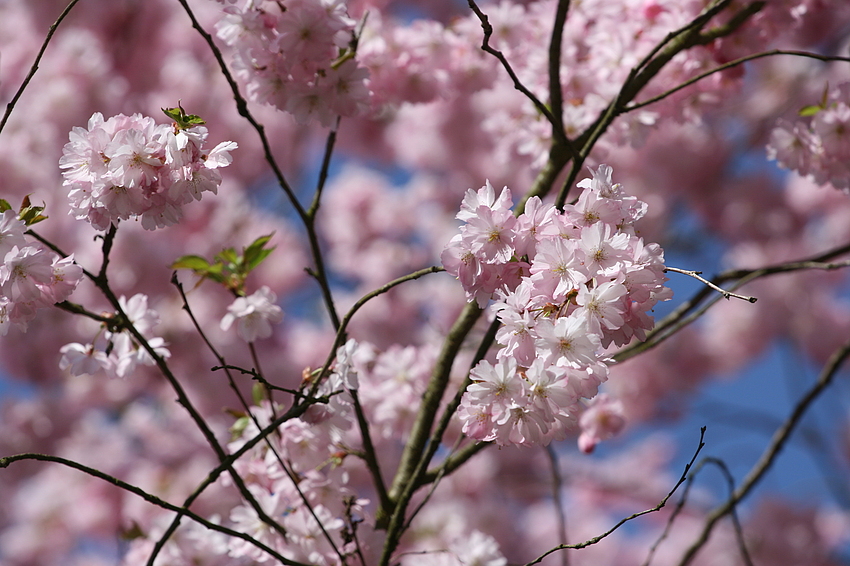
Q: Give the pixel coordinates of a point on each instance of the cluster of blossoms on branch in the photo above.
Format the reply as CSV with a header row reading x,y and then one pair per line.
x,y
131,167
31,276
116,352
298,57
818,144
568,285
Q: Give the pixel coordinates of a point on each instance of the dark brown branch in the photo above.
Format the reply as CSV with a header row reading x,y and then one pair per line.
x,y
625,520
4,463
731,64
11,105
773,449
485,45
242,107
691,310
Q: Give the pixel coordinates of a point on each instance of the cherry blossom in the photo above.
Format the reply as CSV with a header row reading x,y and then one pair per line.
x,y
253,315
129,167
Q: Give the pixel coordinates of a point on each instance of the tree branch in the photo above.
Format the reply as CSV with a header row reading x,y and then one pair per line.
x,y
622,522
773,449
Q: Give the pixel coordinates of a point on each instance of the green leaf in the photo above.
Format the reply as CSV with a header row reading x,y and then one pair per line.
x,y
255,253
29,214
258,393
239,427
184,121
227,256
810,110
258,259
36,219
194,262
4,205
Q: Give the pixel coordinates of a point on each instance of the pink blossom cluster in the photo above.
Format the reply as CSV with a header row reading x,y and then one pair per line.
x,y
130,167
817,147
31,276
117,353
423,60
569,284
297,56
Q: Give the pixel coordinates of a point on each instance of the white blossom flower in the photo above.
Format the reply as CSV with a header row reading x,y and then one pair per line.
x,y
253,315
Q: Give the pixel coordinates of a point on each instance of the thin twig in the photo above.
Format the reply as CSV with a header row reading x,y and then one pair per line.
x,y
731,64
770,453
4,462
736,522
340,332
11,105
242,107
680,505
369,453
557,500
696,275
485,45
625,520
691,310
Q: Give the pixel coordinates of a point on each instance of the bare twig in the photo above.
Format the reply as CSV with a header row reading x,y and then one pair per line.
x,y
696,275
11,105
730,482
485,45
557,501
625,520
4,462
731,64
770,453
694,308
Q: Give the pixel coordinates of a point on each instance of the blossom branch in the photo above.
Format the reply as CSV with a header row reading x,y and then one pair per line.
x,y
4,463
182,398
686,37
780,437
11,105
176,521
56,249
294,412
696,275
625,520
242,107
